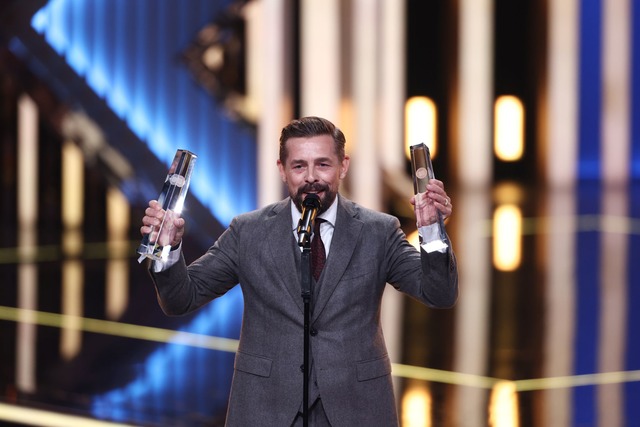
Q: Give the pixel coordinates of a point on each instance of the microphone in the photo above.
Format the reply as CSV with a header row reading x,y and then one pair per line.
x,y
310,206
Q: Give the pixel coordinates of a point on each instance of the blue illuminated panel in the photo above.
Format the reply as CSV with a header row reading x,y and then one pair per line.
x,y
587,270
590,90
635,91
129,53
176,381
632,351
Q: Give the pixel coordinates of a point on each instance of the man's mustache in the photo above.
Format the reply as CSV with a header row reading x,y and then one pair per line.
x,y
311,188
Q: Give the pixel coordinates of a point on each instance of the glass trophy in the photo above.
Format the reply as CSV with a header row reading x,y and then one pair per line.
x,y
171,199
422,172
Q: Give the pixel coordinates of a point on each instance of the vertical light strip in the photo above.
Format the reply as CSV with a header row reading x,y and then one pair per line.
x,y
472,312
391,68
562,142
276,96
560,290
252,12
590,90
72,190
27,186
365,167
27,165
365,171
320,53
72,294
117,273
392,84
635,91
72,268
475,92
613,314
616,121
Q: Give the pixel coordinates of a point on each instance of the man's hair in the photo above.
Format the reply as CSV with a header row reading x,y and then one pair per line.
x,y
307,127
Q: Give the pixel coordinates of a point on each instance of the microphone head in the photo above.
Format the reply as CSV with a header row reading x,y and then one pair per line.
x,y
311,201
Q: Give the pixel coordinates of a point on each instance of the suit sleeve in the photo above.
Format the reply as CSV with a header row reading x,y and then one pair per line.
x,y
181,289
431,278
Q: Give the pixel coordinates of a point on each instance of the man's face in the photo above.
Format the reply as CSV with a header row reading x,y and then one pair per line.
x,y
313,166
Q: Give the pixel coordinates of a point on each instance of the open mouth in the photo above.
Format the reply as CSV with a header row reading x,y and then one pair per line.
x,y
317,190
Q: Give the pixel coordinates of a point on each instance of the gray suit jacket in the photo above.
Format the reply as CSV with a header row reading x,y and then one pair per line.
x,y
351,364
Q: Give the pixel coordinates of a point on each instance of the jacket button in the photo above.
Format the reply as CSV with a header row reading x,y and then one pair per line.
x,y
313,332
302,368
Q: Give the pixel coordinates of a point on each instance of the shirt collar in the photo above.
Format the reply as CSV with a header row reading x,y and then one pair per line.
x,y
329,215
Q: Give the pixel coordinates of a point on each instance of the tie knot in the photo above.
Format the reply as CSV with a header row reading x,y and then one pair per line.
x,y
316,225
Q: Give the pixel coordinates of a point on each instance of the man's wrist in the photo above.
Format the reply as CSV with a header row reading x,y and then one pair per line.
x,y
431,240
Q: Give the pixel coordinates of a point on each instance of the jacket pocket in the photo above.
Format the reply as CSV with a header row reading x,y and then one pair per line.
x,y
370,369
251,364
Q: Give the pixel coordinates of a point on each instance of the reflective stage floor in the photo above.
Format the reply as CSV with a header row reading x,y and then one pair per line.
x,y
544,333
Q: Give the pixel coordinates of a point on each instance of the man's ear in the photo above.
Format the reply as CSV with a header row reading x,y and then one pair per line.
x,y
344,167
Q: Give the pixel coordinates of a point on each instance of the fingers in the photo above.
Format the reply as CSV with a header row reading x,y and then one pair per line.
x,y
153,219
434,199
441,200
153,215
445,208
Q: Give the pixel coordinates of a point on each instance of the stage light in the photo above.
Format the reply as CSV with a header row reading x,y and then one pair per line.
x,y
507,237
117,268
509,128
420,118
503,406
72,213
417,407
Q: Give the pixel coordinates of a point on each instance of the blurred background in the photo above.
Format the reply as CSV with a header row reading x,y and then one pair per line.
x,y
531,110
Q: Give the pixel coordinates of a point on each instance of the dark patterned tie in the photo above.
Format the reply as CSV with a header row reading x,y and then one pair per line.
x,y
318,254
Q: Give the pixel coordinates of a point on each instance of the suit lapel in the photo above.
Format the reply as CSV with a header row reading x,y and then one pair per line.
x,y
283,255
345,238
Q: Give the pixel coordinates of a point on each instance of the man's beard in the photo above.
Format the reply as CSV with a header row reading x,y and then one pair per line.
x,y
325,202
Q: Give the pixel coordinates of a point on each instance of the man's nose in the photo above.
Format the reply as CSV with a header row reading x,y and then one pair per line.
x,y
311,176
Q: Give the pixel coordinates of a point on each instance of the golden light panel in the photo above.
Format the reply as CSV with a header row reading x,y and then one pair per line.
x,y
117,273
72,269
416,407
509,128
507,237
72,185
420,119
503,405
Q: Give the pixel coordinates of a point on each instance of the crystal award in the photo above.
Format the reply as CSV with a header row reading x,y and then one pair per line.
x,y
422,172
171,199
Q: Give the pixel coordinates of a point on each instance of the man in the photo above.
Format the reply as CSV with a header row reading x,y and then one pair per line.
x,y
350,381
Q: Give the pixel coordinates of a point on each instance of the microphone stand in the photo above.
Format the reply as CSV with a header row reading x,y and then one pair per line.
x,y
305,283
310,206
